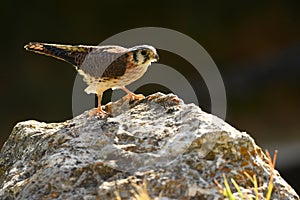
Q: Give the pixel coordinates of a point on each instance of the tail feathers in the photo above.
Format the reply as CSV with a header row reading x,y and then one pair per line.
x,y
71,54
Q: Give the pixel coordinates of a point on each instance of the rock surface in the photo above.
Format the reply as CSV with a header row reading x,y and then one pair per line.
x,y
175,149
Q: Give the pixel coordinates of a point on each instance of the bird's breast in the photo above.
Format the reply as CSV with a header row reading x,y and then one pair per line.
x,y
131,74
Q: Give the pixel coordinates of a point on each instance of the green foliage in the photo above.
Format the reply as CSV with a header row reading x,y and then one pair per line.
x,y
226,191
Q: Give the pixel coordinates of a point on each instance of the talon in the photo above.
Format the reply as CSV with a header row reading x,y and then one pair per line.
x,y
99,112
132,97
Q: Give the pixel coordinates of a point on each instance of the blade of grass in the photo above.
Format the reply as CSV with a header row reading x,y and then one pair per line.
x,y
237,187
270,190
254,182
249,177
220,188
272,167
141,192
255,187
228,191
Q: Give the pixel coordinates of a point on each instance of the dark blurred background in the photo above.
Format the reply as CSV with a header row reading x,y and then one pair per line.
x,y
255,44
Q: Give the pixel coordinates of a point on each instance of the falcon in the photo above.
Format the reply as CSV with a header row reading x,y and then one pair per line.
x,y
102,67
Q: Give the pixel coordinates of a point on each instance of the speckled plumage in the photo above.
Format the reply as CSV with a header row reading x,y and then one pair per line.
x,y
103,67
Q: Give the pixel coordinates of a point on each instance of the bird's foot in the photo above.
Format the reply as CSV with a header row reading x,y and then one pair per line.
x,y
132,97
99,112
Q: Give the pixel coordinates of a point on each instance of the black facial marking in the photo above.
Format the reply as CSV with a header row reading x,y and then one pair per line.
x,y
146,58
135,56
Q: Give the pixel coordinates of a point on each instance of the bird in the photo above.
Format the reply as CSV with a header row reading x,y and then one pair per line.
x,y
102,67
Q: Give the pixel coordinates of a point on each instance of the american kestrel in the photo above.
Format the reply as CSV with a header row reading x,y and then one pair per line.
x,y
102,67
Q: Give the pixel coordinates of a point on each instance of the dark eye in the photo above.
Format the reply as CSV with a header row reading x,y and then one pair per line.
x,y
143,52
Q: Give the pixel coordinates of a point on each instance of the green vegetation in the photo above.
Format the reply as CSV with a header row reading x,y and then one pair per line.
x,y
227,192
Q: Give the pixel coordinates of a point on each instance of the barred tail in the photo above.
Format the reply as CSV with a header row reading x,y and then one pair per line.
x,y
69,53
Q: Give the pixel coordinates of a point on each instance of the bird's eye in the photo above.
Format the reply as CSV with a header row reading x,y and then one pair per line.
x,y
143,52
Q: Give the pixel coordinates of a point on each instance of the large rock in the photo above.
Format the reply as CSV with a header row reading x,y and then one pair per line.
x,y
175,149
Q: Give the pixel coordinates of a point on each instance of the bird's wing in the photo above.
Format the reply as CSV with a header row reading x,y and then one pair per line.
x,y
96,61
105,61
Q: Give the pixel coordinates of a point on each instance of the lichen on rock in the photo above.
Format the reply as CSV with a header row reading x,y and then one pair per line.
x,y
175,148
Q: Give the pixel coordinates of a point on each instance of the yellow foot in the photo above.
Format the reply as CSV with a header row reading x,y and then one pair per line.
x,y
132,97
99,112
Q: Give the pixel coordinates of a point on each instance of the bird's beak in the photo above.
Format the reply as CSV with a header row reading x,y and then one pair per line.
x,y
156,58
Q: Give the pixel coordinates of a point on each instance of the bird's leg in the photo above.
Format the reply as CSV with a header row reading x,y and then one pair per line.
x,y
99,111
131,95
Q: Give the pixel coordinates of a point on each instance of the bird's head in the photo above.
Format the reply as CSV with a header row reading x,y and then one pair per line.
x,y
144,54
